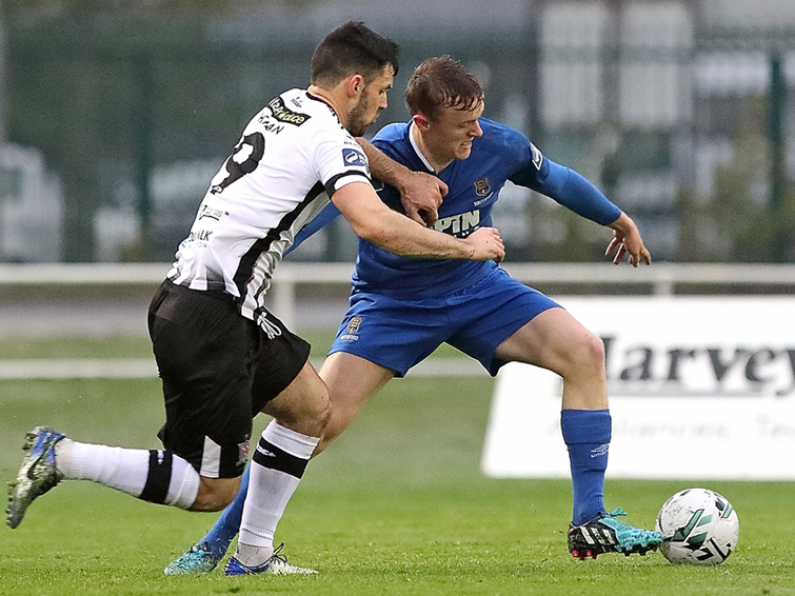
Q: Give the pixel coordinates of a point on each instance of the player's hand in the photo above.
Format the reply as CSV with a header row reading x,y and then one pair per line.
x,y
486,245
627,240
421,195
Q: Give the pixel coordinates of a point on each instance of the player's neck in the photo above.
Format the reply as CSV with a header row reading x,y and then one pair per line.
x,y
437,162
334,102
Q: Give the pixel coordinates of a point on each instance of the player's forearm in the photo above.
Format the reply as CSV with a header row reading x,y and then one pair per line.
x,y
575,192
384,168
401,236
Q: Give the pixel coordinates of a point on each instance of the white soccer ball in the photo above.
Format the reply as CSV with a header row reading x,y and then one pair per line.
x,y
698,526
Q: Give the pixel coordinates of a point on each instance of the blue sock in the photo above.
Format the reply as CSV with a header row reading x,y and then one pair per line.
x,y
587,435
226,528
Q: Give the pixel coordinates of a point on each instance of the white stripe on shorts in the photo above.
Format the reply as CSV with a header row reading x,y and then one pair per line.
x,y
211,459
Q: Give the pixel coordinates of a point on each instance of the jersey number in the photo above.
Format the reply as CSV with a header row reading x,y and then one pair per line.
x,y
254,145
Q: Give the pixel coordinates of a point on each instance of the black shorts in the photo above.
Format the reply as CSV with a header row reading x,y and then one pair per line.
x,y
218,369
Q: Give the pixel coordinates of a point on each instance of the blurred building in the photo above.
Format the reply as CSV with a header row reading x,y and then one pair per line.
x,y
676,108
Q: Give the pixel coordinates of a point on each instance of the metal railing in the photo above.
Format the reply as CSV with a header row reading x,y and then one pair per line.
x,y
662,279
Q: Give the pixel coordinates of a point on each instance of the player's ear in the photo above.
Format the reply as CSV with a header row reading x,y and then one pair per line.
x,y
354,85
421,121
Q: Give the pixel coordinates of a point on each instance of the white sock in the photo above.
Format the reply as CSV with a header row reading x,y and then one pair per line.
x,y
276,470
128,470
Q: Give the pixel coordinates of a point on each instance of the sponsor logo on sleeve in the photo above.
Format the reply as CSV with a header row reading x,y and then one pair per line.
x,y
284,114
352,157
536,157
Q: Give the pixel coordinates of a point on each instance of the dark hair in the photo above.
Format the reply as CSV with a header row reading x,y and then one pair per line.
x,y
442,82
350,49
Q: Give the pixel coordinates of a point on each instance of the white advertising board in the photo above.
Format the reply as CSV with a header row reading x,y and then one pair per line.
x,y
700,388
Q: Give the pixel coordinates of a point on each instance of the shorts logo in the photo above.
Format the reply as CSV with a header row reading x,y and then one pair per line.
x,y
242,451
352,157
482,187
352,329
353,324
536,157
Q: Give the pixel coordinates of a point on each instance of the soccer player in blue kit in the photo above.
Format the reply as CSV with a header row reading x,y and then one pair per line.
x,y
402,309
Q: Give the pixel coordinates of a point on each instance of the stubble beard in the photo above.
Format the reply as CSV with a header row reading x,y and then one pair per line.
x,y
357,125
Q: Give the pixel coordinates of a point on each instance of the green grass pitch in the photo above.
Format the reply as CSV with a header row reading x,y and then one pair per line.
x,y
397,506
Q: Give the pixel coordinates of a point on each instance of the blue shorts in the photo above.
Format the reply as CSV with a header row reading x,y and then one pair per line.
x,y
397,334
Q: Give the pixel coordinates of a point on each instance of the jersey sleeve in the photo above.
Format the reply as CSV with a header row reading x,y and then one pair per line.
x,y
326,216
339,160
561,184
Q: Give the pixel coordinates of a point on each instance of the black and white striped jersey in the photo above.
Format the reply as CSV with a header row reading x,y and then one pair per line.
x,y
291,158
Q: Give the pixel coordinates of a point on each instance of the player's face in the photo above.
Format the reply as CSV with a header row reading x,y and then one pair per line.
x,y
452,131
372,100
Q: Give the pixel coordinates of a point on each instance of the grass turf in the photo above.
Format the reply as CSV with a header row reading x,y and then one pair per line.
x,y
18,348
397,506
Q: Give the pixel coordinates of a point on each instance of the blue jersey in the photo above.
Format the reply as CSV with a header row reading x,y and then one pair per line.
x,y
501,154
474,186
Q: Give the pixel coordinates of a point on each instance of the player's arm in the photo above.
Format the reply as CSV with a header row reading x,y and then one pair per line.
x,y
325,217
576,193
420,193
377,223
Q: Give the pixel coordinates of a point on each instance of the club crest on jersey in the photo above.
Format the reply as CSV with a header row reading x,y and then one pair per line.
x,y
284,114
482,186
536,157
352,329
352,157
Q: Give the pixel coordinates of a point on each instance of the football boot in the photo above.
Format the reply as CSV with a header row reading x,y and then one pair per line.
x,y
37,474
605,534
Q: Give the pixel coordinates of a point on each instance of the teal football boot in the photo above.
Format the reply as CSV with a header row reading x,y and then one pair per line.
x,y
198,560
605,534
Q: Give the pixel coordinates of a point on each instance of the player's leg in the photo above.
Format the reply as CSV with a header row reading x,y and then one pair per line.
x,y
351,381
208,418
156,476
371,330
555,340
379,338
511,322
285,386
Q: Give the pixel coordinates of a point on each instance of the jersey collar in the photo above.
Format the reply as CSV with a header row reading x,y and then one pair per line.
x,y
413,142
325,103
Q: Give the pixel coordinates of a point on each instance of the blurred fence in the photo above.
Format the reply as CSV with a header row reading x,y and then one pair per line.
x,y
686,129
110,299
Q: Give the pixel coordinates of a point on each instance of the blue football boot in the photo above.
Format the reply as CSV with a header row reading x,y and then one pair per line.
x,y
276,565
605,534
37,474
199,559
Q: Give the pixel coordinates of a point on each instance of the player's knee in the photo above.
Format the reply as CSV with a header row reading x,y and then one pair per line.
x,y
323,409
588,356
215,493
312,415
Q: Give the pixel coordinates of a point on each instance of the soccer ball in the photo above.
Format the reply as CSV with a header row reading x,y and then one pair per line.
x,y
698,526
